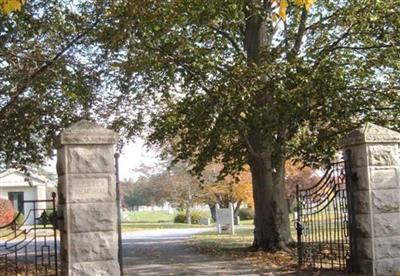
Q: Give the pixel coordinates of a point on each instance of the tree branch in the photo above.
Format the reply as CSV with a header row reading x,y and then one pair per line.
x,y
300,34
185,66
241,130
379,46
233,42
19,90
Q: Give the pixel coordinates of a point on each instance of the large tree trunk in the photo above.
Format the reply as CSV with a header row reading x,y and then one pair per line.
x,y
213,211
188,214
271,218
189,204
281,202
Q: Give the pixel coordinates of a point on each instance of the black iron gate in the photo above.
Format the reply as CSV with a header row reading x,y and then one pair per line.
x,y
324,223
28,245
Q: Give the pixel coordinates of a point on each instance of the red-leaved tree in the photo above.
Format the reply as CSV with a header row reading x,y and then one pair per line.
x,y
6,212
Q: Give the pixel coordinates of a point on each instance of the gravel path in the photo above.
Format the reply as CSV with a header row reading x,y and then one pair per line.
x,y
164,252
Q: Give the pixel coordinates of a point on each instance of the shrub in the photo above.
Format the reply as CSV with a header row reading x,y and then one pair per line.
x,y
48,217
180,218
195,215
246,214
6,212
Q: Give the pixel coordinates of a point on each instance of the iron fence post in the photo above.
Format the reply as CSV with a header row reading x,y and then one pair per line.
x,y
118,197
53,197
299,229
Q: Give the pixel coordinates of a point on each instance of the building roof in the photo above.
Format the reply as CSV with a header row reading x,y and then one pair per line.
x,y
13,177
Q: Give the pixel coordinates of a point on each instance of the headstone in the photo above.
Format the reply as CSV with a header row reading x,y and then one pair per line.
x,y
225,219
204,221
376,165
124,214
87,201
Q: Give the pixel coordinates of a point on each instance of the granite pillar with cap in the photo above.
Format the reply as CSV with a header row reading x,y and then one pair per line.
x,y
87,200
376,167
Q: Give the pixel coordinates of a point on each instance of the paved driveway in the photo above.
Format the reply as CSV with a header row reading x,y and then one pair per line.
x,y
164,252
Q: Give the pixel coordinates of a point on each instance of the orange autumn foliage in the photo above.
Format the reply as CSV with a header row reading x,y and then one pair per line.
x,y
6,212
230,189
298,174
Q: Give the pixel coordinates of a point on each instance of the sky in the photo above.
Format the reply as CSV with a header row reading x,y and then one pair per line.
x,y
133,156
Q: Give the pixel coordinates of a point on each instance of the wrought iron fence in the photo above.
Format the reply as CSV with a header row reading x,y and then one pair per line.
x,y
323,221
29,247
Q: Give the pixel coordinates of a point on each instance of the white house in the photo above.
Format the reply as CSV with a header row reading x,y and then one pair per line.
x,y
19,187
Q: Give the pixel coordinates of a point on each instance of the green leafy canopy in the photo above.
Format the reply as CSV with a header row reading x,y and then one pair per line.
x,y
320,73
187,66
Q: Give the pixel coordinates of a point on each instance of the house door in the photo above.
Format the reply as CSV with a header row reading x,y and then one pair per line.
x,y
17,200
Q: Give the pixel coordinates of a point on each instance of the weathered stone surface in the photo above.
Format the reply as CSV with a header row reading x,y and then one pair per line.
x,y
61,193
376,163
385,178
364,248
61,161
93,246
89,159
85,159
92,217
382,155
387,247
363,226
80,188
359,156
104,268
388,267
361,202
362,182
63,248
85,132
371,133
386,201
375,133
87,200
366,267
387,224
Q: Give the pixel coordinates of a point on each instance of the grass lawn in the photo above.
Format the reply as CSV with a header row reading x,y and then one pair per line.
x,y
138,226
238,247
142,220
147,216
225,243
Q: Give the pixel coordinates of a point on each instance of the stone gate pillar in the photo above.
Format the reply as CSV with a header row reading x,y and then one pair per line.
x,y
87,201
376,166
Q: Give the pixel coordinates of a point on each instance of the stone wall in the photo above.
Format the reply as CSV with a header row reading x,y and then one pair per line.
x,y
87,201
376,166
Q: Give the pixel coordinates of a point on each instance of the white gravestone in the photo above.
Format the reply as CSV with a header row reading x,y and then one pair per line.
x,y
225,218
204,221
